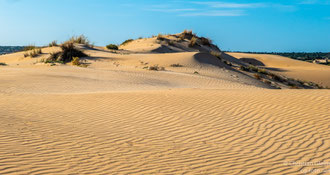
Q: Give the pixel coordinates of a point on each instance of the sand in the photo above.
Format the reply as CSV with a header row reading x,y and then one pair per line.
x,y
291,68
115,117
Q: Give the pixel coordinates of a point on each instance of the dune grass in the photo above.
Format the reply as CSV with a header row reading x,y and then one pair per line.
x,y
126,42
53,44
33,53
29,47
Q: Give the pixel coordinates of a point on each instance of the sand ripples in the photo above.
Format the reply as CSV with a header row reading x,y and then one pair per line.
x,y
165,132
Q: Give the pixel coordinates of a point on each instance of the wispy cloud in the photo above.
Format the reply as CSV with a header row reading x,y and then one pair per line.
x,y
216,8
311,2
229,5
173,10
217,13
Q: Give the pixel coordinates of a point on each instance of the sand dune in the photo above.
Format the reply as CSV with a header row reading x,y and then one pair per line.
x,y
116,117
290,67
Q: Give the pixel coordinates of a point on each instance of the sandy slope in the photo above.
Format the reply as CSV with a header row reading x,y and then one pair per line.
x,y
291,68
115,117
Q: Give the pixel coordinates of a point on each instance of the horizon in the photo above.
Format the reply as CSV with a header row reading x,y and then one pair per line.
x,y
257,26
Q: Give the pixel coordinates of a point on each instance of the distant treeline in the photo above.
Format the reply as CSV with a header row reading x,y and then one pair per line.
x,y
10,49
297,55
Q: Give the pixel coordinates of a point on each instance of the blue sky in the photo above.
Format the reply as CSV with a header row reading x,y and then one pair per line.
x,y
255,25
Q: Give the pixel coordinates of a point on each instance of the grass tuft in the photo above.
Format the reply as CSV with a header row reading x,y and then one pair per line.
x,y
53,44
126,42
156,68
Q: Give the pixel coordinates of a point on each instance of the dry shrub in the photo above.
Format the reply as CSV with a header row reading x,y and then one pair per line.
x,y
53,44
34,53
29,47
156,68
160,37
216,54
186,34
76,61
176,65
257,76
193,42
69,52
206,41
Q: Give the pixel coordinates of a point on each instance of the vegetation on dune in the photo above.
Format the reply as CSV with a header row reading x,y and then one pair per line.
x,y
206,41
67,54
112,47
176,65
82,39
75,61
216,54
34,53
29,47
155,68
304,56
160,37
126,42
193,42
186,34
3,64
267,77
53,44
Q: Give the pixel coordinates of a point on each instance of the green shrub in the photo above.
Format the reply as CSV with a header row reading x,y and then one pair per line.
x,y
126,42
69,52
3,64
112,47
